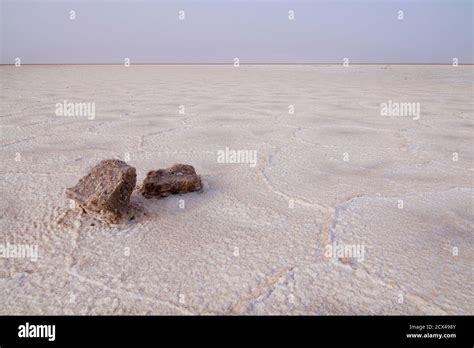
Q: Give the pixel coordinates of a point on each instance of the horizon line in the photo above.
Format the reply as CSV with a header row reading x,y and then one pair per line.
x,y
232,64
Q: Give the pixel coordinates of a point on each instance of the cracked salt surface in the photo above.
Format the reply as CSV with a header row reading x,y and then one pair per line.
x,y
253,242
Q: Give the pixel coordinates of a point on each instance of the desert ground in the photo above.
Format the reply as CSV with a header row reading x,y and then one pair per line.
x,y
330,170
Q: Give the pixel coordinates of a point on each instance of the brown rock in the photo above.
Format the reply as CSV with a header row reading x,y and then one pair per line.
x,y
105,191
180,178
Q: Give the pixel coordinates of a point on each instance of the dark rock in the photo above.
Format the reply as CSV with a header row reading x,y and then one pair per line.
x,y
105,191
180,178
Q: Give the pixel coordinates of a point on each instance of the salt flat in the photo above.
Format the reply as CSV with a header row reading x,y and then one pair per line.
x,y
335,172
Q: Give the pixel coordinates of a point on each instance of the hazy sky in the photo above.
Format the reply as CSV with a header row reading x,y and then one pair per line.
x,y
432,31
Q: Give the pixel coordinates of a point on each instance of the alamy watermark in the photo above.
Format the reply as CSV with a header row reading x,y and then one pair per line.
x,y
402,109
345,251
237,156
76,109
19,251
37,331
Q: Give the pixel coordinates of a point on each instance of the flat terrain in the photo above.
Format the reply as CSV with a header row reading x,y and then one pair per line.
x,y
335,172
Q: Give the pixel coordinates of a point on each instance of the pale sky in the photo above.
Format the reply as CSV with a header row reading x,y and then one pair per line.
x,y
365,31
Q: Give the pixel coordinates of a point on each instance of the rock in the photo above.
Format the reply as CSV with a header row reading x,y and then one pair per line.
x,y
180,178
105,191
